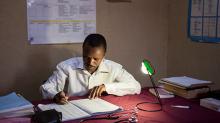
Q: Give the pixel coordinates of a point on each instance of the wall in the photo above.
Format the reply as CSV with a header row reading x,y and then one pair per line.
x,y
199,60
134,30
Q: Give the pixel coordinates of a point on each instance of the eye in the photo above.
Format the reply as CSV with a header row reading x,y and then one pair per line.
x,y
87,58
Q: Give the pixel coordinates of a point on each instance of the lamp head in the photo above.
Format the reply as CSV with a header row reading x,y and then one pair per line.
x,y
147,67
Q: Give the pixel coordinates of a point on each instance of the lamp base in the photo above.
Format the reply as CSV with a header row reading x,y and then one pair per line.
x,y
139,105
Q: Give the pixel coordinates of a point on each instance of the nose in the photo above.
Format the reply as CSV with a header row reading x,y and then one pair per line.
x,y
91,62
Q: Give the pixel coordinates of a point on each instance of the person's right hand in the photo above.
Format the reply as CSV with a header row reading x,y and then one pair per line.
x,y
61,98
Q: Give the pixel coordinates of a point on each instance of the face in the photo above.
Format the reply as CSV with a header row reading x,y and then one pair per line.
x,y
92,57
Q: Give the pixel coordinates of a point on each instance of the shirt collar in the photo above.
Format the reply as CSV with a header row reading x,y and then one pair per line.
x,y
80,64
103,67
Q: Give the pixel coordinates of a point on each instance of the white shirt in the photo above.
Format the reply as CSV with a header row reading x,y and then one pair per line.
x,y
77,81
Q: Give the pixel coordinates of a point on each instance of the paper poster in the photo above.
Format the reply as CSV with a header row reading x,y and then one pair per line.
x,y
210,7
209,27
60,21
196,26
204,23
197,8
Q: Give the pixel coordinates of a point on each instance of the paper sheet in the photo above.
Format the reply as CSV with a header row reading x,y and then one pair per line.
x,y
95,106
186,81
60,21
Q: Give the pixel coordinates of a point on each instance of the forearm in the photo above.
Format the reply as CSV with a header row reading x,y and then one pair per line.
x,y
54,84
48,91
123,88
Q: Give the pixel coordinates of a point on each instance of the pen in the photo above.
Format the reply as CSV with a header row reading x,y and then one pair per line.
x,y
181,106
66,101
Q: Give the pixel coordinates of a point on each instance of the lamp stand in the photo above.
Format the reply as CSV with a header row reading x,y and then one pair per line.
x,y
156,103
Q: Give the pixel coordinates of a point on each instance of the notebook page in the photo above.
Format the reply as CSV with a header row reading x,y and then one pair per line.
x,y
186,81
96,106
69,111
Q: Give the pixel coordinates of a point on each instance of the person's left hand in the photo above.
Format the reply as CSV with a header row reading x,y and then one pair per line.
x,y
97,91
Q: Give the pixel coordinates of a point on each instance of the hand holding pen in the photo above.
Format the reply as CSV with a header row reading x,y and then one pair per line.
x,y
61,98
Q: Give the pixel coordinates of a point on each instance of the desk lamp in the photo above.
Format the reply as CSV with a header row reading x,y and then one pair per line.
x,y
149,70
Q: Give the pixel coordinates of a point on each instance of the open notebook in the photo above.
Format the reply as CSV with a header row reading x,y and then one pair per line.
x,y
82,108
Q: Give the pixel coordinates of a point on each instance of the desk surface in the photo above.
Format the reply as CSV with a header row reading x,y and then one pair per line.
x,y
196,114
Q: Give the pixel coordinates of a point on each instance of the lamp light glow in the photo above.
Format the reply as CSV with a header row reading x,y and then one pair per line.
x,y
143,69
147,68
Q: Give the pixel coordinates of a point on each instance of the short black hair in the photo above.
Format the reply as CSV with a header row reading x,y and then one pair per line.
x,y
95,40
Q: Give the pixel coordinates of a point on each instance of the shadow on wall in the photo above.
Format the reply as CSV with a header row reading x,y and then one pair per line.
x,y
40,65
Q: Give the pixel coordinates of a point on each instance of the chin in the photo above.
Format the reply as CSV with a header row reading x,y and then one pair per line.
x,y
92,69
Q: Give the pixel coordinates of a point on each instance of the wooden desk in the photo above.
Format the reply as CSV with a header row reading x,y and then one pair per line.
x,y
196,114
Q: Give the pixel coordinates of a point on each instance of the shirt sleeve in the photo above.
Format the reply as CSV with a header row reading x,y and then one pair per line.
x,y
54,84
123,84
